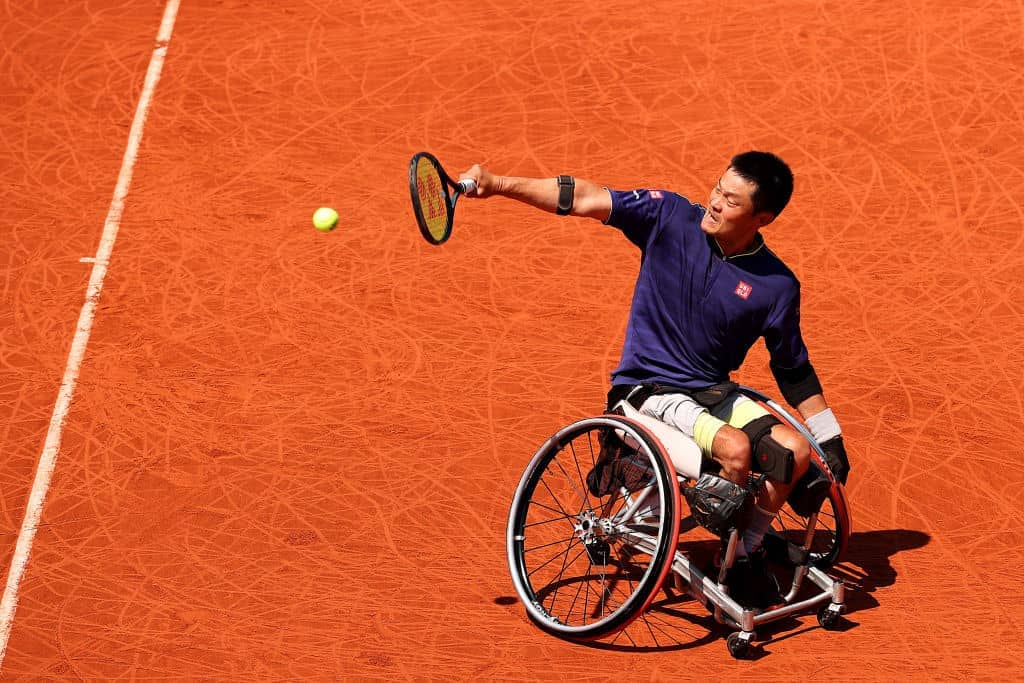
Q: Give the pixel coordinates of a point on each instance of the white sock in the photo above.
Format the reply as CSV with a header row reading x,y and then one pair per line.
x,y
758,527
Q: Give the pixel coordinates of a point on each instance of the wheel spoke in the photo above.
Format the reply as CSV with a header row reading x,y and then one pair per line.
x,y
562,553
554,594
828,534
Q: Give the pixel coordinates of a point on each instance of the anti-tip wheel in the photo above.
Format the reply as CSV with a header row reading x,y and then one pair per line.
x,y
739,645
830,617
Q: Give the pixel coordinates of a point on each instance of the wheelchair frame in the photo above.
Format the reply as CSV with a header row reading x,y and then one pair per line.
x,y
595,530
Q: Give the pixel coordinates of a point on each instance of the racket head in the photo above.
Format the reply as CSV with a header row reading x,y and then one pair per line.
x,y
432,202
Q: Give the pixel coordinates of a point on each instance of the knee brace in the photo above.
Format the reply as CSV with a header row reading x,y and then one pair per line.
x,y
770,457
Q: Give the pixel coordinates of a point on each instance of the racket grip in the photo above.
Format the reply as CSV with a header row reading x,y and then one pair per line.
x,y
467,185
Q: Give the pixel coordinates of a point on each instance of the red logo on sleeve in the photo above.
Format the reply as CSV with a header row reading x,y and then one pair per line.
x,y
656,194
743,290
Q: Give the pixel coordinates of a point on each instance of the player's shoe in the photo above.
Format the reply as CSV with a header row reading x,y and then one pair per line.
x,y
618,466
601,480
751,582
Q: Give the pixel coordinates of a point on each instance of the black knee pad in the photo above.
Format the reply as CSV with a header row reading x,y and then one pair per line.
x,y
770,457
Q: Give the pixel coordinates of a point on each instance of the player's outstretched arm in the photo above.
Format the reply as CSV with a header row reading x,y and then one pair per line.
x,y
589,199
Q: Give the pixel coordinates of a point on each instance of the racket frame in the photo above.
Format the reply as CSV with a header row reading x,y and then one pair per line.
x,y
450,197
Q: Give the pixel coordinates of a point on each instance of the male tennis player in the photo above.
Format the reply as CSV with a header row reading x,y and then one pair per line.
x,y
708,288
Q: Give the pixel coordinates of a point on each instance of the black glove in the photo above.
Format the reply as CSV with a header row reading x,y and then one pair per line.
x,y
835,457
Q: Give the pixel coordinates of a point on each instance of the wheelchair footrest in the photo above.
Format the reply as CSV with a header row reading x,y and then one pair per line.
x,y
782,552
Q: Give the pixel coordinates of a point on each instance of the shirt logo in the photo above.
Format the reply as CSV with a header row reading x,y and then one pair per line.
x,y
743,290
656,194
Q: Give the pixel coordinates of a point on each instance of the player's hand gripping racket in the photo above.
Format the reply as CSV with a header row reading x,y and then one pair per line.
x,y
433,196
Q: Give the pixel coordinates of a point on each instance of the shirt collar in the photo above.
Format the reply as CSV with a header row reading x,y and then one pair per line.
x,y
754,247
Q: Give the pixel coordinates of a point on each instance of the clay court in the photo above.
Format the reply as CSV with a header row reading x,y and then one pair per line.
x,y
290,455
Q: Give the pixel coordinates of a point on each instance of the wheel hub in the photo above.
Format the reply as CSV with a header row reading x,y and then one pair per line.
x,y
592,530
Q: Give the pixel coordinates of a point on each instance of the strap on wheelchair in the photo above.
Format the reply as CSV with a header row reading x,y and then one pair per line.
x,y
636,394
810,492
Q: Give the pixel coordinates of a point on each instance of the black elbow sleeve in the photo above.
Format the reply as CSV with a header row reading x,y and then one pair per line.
x,y
796,384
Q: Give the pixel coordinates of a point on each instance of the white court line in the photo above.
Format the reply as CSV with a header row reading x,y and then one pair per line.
x,y
48,459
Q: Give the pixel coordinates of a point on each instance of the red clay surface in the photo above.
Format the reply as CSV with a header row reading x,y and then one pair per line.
x,y
291,455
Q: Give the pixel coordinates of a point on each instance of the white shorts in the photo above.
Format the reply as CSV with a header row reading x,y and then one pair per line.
x,y
682,412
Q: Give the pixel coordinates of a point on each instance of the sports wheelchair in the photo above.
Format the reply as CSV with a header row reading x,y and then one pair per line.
x,y
587,567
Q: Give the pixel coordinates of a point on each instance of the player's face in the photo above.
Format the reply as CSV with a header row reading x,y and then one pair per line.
x,y
730,217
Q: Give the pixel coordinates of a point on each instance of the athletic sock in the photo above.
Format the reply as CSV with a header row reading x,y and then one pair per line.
x,y
762,520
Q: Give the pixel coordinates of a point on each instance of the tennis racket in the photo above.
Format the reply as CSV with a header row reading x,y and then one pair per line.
x,y
434,195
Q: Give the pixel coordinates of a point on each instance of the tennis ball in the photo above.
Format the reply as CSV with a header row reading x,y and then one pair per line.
x,y
325,219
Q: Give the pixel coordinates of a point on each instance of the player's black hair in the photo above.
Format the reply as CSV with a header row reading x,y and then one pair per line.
x,y
773,178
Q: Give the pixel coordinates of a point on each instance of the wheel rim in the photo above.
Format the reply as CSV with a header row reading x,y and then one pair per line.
x,y
585,565
833,528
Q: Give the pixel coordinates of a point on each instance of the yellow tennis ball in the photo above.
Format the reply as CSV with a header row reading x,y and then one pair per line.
x,y
325,219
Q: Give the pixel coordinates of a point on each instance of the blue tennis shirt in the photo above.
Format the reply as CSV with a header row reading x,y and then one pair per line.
x,y
695,314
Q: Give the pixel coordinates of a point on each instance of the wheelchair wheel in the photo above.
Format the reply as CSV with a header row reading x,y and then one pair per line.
x,y
831,531
593,528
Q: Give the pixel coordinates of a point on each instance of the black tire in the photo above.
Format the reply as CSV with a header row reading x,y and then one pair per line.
x,y
739,647
581,569
831,531
829,619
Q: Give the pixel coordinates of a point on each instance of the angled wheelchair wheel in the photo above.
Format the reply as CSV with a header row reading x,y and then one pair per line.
x,y
833,526
593,528
831,529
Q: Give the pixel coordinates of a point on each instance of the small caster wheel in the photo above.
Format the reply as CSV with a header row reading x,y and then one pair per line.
x,y
739,644
830,617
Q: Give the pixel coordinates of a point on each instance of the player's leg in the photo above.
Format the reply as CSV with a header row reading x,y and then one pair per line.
x,y
724,434
749,581
776,492
830,533
728,446
777,450
780,453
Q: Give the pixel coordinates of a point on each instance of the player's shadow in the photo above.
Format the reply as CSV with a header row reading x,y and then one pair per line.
x,y
867,565
682,623
865,568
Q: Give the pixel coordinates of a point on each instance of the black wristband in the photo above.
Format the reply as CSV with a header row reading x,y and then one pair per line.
x,y
796,384
566,190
